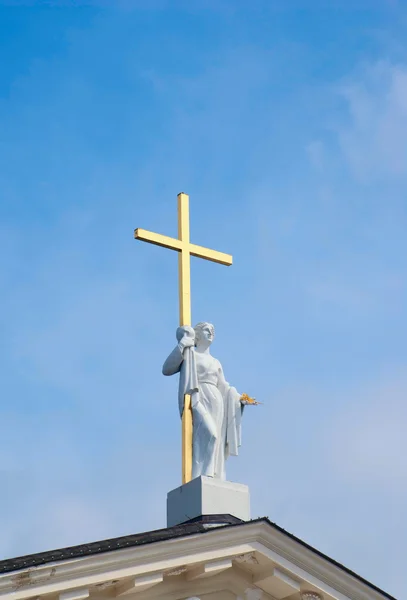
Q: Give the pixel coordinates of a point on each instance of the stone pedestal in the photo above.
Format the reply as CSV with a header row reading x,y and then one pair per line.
x,y
207,496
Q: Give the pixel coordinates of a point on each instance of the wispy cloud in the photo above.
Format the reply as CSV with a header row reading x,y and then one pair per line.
x,y
368,438
374,140
357,294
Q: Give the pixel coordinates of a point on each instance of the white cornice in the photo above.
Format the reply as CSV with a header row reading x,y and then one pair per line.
x,y
216,544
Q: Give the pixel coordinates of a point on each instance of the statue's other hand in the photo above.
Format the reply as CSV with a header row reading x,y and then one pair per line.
x,y
245,399
185,331
186,342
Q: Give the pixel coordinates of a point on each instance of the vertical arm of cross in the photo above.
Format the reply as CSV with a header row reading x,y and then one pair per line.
x,y
184,274
184,261
185,250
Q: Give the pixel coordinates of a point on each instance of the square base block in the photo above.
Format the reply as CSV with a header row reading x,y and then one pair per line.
x,y
207,496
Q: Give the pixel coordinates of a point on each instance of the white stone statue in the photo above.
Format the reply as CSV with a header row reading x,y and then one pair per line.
x,y
216,406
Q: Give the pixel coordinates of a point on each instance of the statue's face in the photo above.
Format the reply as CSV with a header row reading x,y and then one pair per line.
x,y
207,333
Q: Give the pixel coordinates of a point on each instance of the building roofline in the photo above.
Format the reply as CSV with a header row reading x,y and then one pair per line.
x,y
204,524
328,558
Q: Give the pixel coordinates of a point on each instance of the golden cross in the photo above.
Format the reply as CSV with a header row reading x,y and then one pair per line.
x,y
186,250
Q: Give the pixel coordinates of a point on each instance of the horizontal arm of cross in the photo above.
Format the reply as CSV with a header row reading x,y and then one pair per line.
x,y
158,239
174,244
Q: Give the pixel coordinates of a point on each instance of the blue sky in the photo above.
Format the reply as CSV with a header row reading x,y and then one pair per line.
x,y
287,125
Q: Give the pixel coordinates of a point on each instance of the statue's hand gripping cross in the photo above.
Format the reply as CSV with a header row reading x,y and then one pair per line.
x,y
185,249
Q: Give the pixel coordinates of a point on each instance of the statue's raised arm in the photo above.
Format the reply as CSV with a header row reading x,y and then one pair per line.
x,y
186,339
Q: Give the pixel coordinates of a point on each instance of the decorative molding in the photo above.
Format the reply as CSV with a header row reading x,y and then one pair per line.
x,y
249,558
138,584
175,572
283,585
260,537
311,596
75,594
205,570
180,589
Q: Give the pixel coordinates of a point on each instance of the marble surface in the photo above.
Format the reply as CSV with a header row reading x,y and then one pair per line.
x,y
216,405
207,496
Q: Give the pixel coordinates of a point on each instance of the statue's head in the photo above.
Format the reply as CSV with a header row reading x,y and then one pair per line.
x,y
204,334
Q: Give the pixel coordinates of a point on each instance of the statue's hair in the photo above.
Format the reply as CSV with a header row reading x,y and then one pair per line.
x,y
199,326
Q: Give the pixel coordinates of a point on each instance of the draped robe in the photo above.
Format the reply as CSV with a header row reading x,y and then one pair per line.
x,y
216,407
